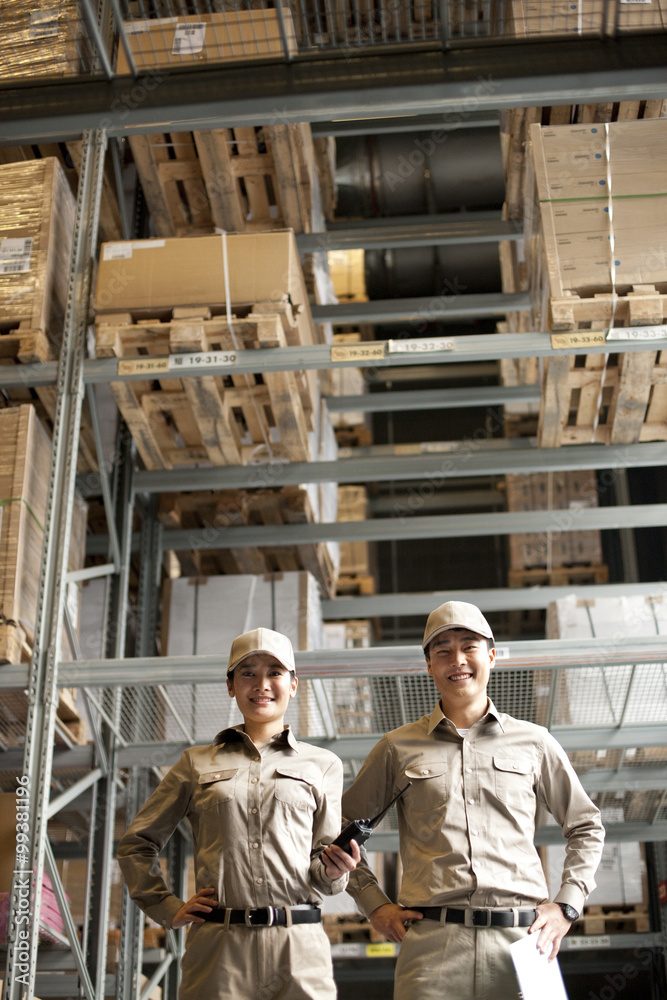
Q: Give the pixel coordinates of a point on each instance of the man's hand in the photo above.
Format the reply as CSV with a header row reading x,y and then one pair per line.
x,y
553,926
202,902
390,920
338,862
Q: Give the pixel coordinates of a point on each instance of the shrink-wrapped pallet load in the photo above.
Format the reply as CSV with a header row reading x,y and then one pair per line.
x,y
41,38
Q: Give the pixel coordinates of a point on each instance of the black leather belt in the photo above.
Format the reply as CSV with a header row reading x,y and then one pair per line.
x,y
478,918
264,916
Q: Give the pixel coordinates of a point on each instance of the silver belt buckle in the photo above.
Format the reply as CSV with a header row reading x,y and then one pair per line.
x,y
470,921
270,911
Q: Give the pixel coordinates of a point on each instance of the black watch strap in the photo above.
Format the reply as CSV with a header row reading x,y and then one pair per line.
x,y
569,912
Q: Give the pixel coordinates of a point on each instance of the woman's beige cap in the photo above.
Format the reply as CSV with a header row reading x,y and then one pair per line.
x,y
262,640
455,614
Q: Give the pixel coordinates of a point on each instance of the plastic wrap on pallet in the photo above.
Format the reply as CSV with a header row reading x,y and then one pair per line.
x,y
41,38
37,214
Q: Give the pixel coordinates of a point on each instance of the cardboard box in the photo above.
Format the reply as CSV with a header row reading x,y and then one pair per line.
x,y
41,38
189,271
234,35
561,17
37,215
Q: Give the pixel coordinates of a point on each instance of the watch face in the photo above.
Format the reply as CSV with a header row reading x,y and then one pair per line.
x,y
569,912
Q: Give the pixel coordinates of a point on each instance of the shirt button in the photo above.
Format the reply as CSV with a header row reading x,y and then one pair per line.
x,y
475,833
255,845
253,811
253,781
426,771
515,766
216,775
467,743
471,801
259,881
257,758
468,770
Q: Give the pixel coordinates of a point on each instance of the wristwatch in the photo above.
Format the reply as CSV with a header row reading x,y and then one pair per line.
x,y
569,912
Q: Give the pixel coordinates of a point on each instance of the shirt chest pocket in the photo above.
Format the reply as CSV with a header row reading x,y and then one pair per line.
x,y
514,777
216,787
295,787
430,786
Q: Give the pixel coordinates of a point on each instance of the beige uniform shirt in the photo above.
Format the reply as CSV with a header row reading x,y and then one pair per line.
x,y
259,818
466,825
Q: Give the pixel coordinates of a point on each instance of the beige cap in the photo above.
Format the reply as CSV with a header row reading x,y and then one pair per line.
x,y
261,640
455,614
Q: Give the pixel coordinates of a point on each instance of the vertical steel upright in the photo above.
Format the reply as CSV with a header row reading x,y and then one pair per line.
x,y
23,935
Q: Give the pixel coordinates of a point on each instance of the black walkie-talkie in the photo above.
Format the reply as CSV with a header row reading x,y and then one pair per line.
x,y
361,829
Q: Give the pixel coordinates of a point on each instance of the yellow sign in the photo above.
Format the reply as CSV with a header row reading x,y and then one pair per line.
x,y
365,351
384,949
143,366
578,338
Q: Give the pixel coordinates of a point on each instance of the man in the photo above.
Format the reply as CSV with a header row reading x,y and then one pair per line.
x,y
263,808
472,879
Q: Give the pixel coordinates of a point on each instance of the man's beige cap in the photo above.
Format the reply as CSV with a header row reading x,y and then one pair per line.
x,y
455,614
262,640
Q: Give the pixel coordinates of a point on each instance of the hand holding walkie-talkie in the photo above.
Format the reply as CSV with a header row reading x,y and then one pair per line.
x,y
361,829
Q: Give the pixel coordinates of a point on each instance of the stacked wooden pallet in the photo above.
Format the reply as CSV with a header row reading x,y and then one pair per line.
x,y
223,509
236,179
562,557
632,919
355,574
24,478
41,39
148,303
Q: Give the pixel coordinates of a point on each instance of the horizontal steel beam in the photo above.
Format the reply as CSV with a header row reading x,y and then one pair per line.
x,y
439,500
404,123
625,779
479,456
318,357
402,236
538,654
497,599
338,86
450,305
435,399
407,527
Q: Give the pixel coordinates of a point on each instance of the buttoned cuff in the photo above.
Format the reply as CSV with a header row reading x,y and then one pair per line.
x,y
571,895
370,898
164,912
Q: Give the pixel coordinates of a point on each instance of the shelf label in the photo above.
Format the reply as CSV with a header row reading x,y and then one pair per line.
x,y
143,366
592,941
578,338
421,345
637,333
15,255
44,23
188,39
365,351
381,949
202,359
117,251
502,652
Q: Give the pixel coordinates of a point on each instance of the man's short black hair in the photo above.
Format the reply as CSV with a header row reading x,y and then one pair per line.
x,y
490,643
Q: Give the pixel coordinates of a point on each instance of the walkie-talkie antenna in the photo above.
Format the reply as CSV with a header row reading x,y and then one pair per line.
x,y
376,819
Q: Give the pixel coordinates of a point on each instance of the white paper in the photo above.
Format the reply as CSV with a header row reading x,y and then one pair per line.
x,y
15,253
539,978
188,39
117,251
43,23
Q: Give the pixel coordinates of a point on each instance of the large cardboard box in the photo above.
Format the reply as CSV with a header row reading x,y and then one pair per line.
x,y
37,214
169,42
562,17
190,271
42,38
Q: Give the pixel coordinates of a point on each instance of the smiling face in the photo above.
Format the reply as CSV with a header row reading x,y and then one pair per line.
x,y
262,688
460,663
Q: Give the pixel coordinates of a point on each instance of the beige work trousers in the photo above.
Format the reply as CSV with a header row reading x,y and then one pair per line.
x,y
450,960
260,963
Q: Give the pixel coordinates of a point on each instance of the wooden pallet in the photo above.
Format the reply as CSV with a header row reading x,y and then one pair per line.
x,y
227,508
562,576
222,420
355,584
343,930
24,346
620,400
616,919
240,180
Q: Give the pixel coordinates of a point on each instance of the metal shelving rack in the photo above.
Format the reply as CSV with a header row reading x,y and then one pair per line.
x,y
119,739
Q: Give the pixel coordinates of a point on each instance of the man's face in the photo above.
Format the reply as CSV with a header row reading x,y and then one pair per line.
x,y
460,663
262,687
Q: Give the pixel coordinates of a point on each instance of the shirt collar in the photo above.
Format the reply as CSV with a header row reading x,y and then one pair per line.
x,y
437,716
235,734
